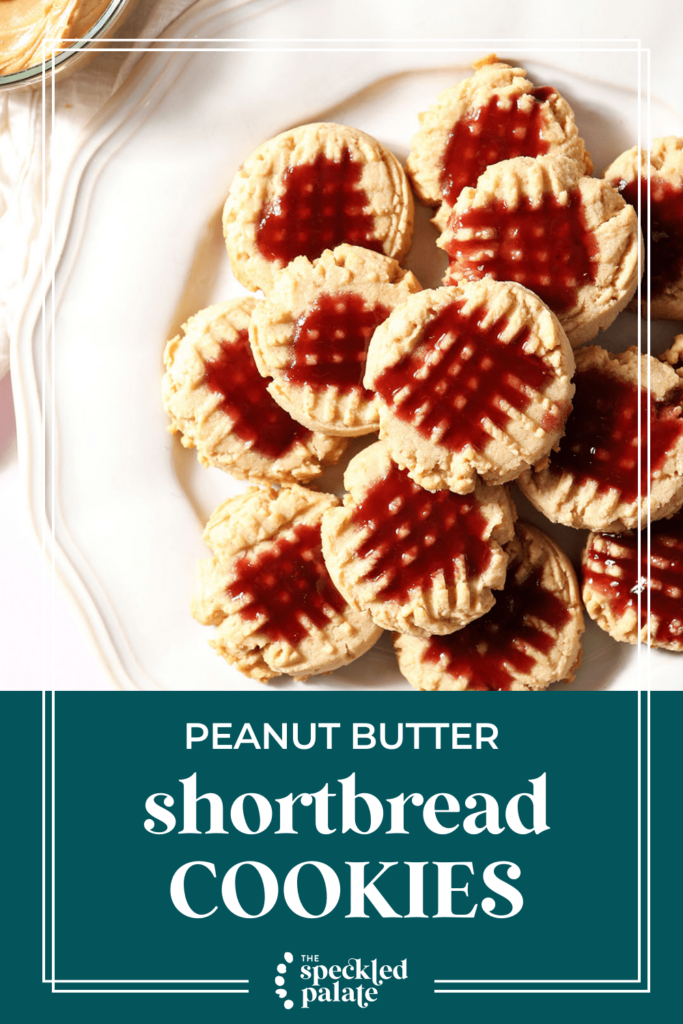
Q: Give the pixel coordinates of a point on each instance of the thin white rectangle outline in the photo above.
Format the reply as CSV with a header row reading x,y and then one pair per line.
x,y
639,49
579,981
151,991
104,981
236,981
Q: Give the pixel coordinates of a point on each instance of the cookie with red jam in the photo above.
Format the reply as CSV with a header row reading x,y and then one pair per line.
x,y
631,597
495,114
268,592
659,173
472,381
219,404
599,477
418,561
313,188
571,239
530,639
311,335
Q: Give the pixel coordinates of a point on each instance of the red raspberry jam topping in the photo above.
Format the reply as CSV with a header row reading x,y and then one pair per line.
x,y
666,229
601,439
331,342
611,568
489,134
257,418
547,248
288,583
415,534
463,376
504,639
321,206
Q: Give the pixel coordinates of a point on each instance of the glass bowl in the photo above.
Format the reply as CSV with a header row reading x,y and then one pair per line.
x,y
77,54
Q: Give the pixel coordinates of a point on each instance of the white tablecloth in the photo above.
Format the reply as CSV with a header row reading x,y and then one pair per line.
x,y
21,155
27,605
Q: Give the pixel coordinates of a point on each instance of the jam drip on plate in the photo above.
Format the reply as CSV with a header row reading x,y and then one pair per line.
x,y
611,568
331,341
489,134
462,377
666,229
257,418
288,583
601,440
321,206
547,248
415,534
506,639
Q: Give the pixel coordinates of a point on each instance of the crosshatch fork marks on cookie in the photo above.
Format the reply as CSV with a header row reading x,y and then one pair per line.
x,y
330,343
611,568
415,534
257,418
321,206
601,442
462,376
288,586
546,247
524,622
496,131
666,230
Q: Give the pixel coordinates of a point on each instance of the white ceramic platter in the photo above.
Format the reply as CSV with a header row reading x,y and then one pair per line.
x,y
140,249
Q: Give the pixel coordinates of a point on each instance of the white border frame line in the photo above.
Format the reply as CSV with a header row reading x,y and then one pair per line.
x,y
649,534
332,49
152,991
110,44
639,49
53,981
640,653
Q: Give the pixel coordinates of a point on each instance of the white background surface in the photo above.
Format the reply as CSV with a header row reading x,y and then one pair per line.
x,y
21,609
23,647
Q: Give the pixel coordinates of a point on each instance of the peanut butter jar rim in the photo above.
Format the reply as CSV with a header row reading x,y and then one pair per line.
x,y
72,56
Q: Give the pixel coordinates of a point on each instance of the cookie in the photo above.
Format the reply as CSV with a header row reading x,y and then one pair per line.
x,y
612,583
310,189
629,174
674,355
268,592
572,240
494,115
592,482
217,400
472,379
312,333
418,562
530,639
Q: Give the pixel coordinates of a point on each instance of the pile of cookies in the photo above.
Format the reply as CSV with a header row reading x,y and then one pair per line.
x,y
469,386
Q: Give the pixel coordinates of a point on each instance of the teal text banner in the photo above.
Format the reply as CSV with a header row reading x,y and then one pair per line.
x,y
272,855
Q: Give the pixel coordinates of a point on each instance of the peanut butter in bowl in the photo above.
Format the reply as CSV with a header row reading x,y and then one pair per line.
x,y
25,24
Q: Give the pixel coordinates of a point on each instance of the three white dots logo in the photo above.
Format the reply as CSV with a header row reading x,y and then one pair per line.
x,y
280,980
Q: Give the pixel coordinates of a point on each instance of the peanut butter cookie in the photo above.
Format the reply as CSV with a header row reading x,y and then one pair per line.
x,y
310,189
494,115
218,402
419,562
530,639
268,592
572,240
312,334
471,380
592,481
629,174
612,582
